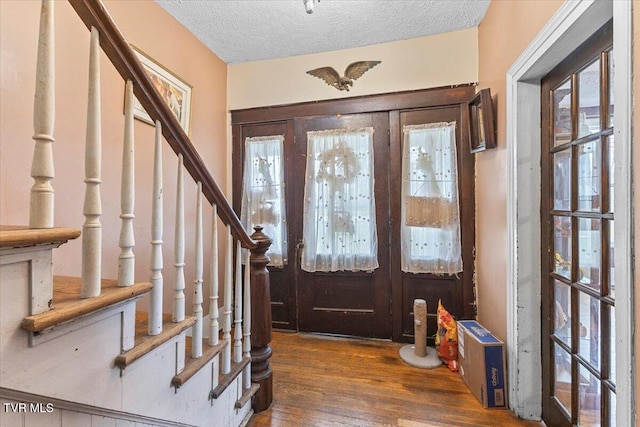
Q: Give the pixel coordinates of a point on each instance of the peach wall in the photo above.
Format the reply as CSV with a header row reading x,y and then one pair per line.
x,y
432,61
149,27
504,33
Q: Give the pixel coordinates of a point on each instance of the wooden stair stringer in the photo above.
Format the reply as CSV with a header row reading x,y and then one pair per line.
x,y
193,365
247,395
227,379
67,306
145,344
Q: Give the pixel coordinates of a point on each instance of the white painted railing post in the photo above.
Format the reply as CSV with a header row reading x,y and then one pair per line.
x,y
247,319
214,326
228,289
42,171
127,259
237,318
155,308
178,298
92,229
196,330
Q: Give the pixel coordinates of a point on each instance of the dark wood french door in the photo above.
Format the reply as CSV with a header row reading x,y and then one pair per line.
x,y
344,302
578,262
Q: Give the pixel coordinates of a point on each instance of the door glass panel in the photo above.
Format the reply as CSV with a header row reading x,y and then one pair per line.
x,y
612,408
611,165
339,225
263,200
562,313
589,176
588,399
562,383
612,270
430,226
562,244
562,180
589,100
590,329
612,344
611,75
562,113
589,252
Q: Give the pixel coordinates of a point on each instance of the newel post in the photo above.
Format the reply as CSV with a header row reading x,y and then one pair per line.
x,y
261,322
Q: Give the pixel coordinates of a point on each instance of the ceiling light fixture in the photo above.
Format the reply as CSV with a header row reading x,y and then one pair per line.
x,y
308,5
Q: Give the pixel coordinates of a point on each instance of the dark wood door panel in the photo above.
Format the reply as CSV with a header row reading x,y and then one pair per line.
x,y
349,303
455,291
344,293
283,301
280,300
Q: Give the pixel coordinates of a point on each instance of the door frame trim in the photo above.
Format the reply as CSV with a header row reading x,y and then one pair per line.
x,y
572,24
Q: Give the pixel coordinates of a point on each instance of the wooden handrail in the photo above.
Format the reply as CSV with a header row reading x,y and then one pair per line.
x,y
115,46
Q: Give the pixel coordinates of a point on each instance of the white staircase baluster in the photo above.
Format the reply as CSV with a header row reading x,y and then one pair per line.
x,y
213,284
42,169
228,289
237,318
247,319
155,306
214,326
178,298
127,259
92,229
196,330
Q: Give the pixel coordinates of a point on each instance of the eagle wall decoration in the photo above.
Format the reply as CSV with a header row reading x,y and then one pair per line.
x,y
353,71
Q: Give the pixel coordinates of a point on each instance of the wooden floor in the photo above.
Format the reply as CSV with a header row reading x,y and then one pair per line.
x,y
326,381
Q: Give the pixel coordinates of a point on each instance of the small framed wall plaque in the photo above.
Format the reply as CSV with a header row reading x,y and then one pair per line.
x,y
173,90
481,122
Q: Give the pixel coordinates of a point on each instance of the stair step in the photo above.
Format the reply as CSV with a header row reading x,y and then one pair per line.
x,y
247,395
67,304
227,379
191,365
15,236
144,343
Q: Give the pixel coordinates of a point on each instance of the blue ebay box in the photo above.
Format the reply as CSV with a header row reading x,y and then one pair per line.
x,y
482,363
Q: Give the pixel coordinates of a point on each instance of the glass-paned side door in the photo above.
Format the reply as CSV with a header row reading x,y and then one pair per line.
x,y
577,238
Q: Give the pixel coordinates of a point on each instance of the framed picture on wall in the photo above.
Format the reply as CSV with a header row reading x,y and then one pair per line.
x,y
173,90
481,122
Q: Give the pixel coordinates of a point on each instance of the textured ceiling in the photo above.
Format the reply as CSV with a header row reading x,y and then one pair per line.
x,y
251,30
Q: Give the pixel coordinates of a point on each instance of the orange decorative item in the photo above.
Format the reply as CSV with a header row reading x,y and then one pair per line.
x,y
447,338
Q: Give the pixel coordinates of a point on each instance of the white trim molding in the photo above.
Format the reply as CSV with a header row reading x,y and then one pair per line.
x,y
623,209
572,24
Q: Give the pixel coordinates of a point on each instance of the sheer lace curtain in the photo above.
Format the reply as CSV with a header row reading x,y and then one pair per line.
x,y
263,201
430,231
339,225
